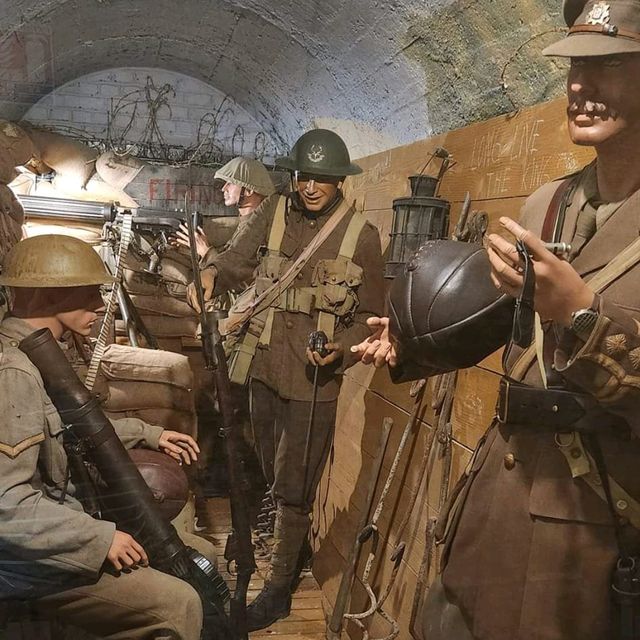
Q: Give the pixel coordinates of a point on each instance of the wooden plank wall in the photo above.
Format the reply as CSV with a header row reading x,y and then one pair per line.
x,y
499,162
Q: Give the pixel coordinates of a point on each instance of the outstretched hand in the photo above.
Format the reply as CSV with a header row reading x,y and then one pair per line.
x,y
378,347
180,446
559,288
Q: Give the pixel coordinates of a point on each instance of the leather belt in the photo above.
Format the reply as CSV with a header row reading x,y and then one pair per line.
x,y
552,409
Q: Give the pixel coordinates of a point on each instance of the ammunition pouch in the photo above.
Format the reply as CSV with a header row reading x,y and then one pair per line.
x,y
335,283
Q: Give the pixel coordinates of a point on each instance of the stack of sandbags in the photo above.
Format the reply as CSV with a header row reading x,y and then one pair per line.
x,y
161,297
155,386
16,149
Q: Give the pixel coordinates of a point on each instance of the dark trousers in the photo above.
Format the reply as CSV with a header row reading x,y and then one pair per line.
x,y
280,430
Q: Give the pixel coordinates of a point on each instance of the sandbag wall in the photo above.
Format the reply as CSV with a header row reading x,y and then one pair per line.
x,y
16,149
499,162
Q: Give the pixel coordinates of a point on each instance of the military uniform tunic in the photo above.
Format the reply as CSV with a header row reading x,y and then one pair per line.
x,y
281,376
529,555
51,551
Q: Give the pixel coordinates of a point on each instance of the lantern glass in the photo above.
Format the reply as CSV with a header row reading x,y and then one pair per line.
x,y
415,221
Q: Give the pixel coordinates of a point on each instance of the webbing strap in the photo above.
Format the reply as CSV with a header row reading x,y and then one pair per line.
x,y
278,225
327,321
350,240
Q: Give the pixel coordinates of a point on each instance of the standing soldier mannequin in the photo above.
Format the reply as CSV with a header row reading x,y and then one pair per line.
x,y
247,186
335,291
531,539
52,553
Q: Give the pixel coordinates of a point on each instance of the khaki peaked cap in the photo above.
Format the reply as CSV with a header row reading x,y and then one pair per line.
x,y
247,173
53,261
599,28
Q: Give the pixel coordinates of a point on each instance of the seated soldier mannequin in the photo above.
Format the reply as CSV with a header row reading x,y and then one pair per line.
x,y
52,553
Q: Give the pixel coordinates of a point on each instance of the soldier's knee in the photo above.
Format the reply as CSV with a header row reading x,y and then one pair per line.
x,y
184,611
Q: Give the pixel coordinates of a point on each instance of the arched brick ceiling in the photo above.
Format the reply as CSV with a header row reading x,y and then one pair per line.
x,y
385,65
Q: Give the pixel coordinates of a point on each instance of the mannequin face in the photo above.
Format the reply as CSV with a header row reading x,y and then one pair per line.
x,y
316,192
232,193
80,309
604,99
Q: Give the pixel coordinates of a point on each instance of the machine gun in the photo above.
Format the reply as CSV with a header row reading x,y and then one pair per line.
x,y
131,503
240,546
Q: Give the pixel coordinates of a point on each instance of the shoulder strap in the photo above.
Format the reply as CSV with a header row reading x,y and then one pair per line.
x,y
278,225
554,218
350,240
265,300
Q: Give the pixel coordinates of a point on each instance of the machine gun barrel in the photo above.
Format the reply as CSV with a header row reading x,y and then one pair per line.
x,y
129,499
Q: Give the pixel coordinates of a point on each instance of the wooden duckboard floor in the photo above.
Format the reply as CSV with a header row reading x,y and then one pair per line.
x,y
306,621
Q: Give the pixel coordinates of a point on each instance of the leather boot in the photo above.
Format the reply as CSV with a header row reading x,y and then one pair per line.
x,y
274,601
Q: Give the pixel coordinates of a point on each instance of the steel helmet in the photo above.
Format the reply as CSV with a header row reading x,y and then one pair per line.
x,y
320,152
247,173
444,311
53,261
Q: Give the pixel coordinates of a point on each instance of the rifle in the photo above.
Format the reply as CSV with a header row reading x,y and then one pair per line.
x,y
129,499
240,546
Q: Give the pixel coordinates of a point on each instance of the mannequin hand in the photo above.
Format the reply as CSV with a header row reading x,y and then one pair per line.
x,y
377,348
559,288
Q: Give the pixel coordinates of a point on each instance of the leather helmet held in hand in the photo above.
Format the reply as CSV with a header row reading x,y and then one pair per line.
x,y
166,479
445,312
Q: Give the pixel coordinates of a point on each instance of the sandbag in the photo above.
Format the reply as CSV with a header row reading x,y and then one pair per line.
x,y
143,283
11,218
118,170
163,306
165,326
67,157
16,149
121,362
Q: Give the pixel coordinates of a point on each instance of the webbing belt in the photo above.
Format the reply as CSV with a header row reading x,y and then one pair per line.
x,y
300,299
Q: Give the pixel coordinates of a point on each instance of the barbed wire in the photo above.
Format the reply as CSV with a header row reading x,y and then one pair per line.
x,y
135,127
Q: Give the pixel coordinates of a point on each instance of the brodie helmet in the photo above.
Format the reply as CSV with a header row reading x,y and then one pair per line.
x,y
248,173
320,152
53,261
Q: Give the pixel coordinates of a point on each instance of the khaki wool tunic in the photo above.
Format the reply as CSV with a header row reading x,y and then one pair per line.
x,y
45,546
283,365
531,553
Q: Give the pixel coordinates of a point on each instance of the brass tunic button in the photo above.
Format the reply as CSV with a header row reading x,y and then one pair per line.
x,y
509,461
300,276
313,224
289,324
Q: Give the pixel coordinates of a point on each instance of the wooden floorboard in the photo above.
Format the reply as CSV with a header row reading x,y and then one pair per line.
x,y
306,621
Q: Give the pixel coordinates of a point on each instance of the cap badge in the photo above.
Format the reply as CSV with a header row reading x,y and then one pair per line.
x,y
600,13
316,153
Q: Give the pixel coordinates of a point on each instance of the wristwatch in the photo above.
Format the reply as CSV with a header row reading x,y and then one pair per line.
x,y
583,321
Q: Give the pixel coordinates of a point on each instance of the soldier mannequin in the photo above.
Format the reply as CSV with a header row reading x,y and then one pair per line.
x,y
282,369
65,562
554,581
247,185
